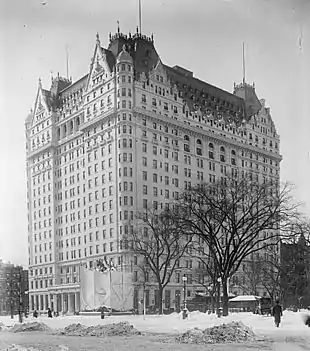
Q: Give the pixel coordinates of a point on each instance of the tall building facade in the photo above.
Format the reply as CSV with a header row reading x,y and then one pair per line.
x,y
130,133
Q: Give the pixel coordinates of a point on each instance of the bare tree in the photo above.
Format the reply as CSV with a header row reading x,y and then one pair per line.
x,y
235,218
263,272
206,274
160,240
251,277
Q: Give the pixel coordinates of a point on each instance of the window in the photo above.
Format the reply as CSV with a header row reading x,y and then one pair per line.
x,y
233,157
144,189
222,154
211,151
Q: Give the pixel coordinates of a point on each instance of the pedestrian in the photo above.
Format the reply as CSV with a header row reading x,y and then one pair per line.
x,y
277,313
307,320
35,314
49,313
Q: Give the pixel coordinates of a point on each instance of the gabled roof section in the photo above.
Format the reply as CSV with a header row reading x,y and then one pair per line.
x,y
44,103
103,61
160,68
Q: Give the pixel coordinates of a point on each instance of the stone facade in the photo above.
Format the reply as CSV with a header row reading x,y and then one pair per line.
x,y
130,133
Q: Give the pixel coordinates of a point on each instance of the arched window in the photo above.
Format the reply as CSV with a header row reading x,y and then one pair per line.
x,y
186,137
198,141
211,151
222,154
233,157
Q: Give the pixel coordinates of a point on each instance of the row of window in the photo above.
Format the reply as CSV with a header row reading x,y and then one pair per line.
x,y
44,237
40,126
74,254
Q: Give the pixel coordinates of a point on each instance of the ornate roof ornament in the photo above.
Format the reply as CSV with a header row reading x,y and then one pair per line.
x,y
97,38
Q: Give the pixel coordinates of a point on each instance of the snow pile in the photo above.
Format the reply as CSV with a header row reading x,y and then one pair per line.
x,y
20,348
219,334
119,329
32,326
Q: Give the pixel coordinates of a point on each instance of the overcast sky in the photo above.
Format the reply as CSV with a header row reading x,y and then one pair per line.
x,y
204,36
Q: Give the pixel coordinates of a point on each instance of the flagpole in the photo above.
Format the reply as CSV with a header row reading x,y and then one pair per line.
x,y
243,63
140,16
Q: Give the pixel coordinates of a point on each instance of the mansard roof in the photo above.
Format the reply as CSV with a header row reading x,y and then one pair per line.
x,y
111,59
196,91
141,49
243,103
48,98
79,84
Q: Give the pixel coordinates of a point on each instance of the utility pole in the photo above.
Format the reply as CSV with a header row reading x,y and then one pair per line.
x,y
144,302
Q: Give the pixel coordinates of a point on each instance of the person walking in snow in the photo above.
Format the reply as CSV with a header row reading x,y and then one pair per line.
x,y
277,313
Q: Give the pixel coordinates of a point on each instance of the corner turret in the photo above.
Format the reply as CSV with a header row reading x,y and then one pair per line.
x,y
247,93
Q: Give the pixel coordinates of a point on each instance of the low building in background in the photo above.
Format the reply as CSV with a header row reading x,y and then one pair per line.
x,y
13,289
295,273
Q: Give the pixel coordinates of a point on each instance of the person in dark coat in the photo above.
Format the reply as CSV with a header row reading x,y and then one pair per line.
x,y
277,313
35,314
49,313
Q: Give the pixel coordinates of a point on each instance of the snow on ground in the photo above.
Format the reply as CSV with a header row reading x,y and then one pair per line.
x,y
292,322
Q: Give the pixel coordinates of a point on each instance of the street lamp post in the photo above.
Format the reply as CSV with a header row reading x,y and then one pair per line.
x,y
184,278
219,280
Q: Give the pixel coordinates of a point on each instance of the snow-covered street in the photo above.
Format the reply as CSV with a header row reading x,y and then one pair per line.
x,y
291,322
292,334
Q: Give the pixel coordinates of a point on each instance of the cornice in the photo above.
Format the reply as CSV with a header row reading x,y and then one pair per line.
x,y
205,134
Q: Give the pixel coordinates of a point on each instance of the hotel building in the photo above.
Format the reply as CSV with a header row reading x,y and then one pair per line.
x,y
131,132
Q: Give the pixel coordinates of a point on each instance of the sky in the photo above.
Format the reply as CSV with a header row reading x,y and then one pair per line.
x,y
204,36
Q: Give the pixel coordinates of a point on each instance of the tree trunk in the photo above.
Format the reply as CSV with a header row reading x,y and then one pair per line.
x,y
225,297
160,297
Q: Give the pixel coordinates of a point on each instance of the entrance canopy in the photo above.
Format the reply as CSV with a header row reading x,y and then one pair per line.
x,y
244,298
